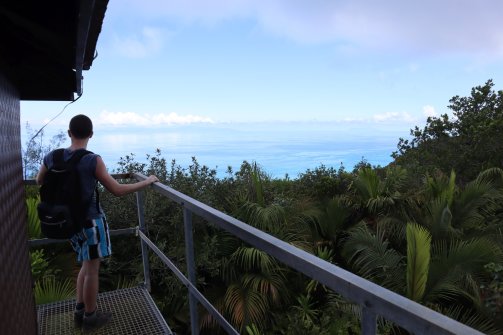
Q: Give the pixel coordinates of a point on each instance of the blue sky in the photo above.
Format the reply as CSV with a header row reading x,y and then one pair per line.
x,y
378,63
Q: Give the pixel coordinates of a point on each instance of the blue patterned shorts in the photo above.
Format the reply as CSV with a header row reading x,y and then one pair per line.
x,y
93,241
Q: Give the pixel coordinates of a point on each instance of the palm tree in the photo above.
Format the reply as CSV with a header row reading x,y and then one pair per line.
x,y
439,274
328,224
450,211
374,197
254,284
254,281
370,256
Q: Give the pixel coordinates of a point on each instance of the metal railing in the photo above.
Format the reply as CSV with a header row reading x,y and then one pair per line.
x,y
373,299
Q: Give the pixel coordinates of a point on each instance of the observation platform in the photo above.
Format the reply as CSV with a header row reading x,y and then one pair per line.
x,y
134,312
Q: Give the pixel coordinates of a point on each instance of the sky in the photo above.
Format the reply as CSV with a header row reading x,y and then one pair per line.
x,y
377,63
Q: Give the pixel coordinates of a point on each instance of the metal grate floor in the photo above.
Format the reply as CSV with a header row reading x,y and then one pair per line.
x,y
134,312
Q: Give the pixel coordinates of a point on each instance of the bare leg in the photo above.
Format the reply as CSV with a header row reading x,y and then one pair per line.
x,y
90,283
80,285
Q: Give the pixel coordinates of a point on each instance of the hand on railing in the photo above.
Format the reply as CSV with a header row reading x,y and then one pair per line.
x,y
151,179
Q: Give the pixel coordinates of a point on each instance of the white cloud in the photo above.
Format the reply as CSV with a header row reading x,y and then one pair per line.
x,y
429,26
353,119
134,119
138,46
429,111
393,116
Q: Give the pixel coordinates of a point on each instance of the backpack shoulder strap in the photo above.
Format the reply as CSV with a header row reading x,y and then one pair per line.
x,y
77,156
57,157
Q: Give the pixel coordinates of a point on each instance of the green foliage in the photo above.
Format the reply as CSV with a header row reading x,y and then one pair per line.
x,y
441,188
374,196
377,224
48,290
253,330
493,290
371,256
456,266
306,309
308,316
43,265
468,142
39,264
32,218
322,183
257,183
478,321
418,261
255,284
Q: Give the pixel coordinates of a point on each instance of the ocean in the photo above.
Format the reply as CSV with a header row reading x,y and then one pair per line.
x,y
279,148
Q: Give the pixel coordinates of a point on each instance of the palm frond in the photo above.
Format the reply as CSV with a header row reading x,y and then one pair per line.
x,y
441,187
454,262
367,184
327,255
245,306
395,178
264,218
226,243
48,290
471,319
306,308
229,271
296,238
123,282
374,205
249,258
438,218
469,205
32,219
370,257
258,184
451,188
394,228
493,174
418,260
216,296
270,285
253,330
470,256
327,223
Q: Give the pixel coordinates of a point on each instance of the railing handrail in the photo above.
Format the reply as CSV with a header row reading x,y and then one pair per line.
x,y
373,298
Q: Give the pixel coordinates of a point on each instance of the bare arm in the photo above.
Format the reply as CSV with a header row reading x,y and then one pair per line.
x,y
41,175
113,186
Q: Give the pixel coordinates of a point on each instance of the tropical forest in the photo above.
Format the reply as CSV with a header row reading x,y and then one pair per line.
x,y
428,226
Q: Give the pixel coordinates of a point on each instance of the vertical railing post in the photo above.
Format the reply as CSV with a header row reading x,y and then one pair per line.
x,y
140,204
369,322
191,269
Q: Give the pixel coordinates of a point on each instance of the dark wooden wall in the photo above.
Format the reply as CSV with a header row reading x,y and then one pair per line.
x,y
17,305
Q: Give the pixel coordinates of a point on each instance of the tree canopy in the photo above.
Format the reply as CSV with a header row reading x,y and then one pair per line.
x,y
468,141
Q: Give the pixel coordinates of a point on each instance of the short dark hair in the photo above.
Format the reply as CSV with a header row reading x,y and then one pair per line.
x,y
81,126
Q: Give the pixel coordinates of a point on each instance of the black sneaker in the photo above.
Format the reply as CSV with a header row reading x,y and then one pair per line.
x,y
78,316
97,320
